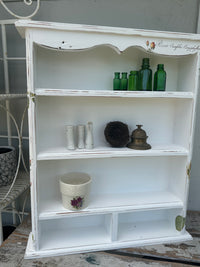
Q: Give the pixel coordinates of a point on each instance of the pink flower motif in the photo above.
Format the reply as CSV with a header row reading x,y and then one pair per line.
x,y
153,45
77,202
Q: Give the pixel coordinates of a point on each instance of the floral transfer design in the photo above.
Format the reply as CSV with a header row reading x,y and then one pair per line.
x,y
77,202
150,46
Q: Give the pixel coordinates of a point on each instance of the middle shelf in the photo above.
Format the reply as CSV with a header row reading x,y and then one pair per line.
x,y
58,153
165,120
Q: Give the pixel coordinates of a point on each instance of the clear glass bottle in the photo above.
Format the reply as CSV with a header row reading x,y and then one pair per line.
x,y
116,81
160,78
124,81
133,81
145,76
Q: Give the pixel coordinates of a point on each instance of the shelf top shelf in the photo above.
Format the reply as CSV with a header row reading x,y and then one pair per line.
x,y
23,24
111,93
109,152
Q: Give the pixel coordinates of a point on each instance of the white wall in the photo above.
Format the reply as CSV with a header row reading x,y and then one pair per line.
x,y
167,15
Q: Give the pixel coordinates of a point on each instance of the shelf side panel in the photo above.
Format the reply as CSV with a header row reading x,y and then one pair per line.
x,y
32,139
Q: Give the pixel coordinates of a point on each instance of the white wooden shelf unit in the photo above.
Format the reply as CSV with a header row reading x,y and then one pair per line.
x,y
137,197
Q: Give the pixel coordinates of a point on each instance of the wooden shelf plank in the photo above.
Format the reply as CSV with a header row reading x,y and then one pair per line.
x,y
108,152
111,93
145,230
53,208
74,237
52,251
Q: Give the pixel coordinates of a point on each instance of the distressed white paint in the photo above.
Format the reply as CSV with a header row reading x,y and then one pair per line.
x,y
32,150
57,153
121,202
104,246
142,190
111,93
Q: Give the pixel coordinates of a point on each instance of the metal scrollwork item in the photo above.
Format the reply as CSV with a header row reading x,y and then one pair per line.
x,y
28,3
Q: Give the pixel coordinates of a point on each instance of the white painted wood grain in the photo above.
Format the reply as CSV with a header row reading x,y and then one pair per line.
x,y
135,195
58,153
101,203
111,93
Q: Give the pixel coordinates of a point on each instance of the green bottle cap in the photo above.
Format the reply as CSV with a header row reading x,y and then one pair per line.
x,y
145,60
117,74
124,74
160,66
134,72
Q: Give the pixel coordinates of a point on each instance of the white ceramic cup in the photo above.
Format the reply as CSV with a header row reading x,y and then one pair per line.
x,y
75,190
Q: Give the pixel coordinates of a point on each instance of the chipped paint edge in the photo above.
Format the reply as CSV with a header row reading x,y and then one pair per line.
x,y
31,254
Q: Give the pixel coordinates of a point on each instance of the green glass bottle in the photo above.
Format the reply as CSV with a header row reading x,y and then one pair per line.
x,y
145,76
124,81
160,78
116,81
133,81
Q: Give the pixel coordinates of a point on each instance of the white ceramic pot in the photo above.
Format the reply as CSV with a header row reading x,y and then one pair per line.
x,y
75,190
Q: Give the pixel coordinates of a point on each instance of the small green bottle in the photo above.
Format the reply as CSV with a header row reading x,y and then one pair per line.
x,y
160,78
133,81
124,81
145,76
116,81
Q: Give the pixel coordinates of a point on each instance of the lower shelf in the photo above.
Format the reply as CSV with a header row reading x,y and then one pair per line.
x,y
53,208
108,231
75,232
144,230
32,254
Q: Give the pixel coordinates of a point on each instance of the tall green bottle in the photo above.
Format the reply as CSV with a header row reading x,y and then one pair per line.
x,y
145,76
116,81
160,78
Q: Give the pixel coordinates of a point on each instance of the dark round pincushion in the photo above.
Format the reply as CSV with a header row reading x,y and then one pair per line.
x,y
117,133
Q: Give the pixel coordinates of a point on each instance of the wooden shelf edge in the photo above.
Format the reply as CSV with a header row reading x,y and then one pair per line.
x,y
110,153
111,93
67,213
32,254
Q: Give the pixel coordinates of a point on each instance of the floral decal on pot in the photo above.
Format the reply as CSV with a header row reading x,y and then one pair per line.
x,y
150,46
77,202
